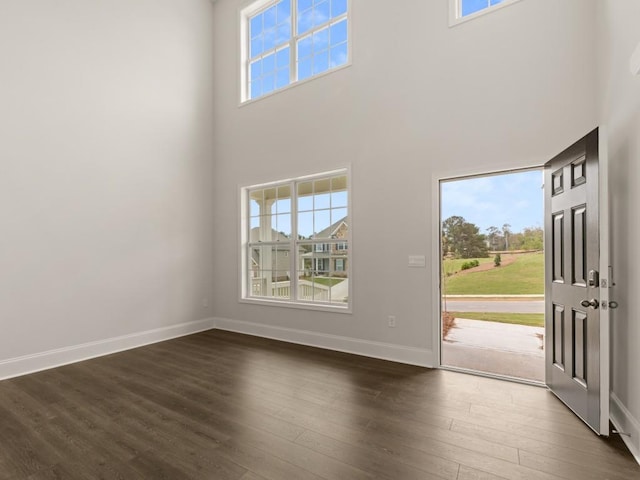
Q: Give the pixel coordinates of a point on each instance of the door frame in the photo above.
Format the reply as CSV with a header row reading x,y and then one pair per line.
x,y
436,252
605,263
606,273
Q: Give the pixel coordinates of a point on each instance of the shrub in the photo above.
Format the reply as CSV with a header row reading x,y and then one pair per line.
x,y
497,260
448,322
470,264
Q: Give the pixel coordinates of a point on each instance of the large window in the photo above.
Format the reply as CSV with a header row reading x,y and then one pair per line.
x,y
285,41
296,240
461,10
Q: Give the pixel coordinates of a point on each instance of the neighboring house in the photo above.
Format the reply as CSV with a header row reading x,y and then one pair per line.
x,y
280,257
331,256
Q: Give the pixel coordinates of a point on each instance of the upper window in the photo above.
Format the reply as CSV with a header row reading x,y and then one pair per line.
x,y
462,10
309,218
285,41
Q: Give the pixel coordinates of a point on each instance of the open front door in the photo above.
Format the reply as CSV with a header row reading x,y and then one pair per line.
x,y
576,302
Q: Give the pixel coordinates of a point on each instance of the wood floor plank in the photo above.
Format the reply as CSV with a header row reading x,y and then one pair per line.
x,y
252,476
263,463
381,462
227,406
324,430
56,472
467,473
494,428
570,470
22,453
412,434
607,455
531,418
301,456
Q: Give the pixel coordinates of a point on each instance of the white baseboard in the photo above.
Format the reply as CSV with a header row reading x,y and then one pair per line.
x,y
15,367
384,351
626,423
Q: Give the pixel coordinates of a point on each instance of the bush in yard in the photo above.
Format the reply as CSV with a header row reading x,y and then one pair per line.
x,y
470,264
448,322
497,261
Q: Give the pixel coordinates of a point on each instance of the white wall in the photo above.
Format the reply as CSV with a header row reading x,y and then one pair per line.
x,y
620,115
105,169
510,89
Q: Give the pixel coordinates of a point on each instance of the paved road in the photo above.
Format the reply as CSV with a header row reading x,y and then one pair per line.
x,y
527,306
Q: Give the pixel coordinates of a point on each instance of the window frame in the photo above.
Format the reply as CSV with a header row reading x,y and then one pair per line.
x,y
455,11
245,290
255,7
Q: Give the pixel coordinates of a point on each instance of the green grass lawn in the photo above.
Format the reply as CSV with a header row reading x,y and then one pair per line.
x,y
524,276
531,319
326,281
454,265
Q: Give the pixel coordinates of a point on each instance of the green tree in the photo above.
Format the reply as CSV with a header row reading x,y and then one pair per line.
x,y
494,235
506,231
532,238
463,239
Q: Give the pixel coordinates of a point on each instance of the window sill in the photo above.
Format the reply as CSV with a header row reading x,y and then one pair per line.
x,y
298,305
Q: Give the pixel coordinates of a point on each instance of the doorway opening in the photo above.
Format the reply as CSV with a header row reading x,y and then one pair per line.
x,y
492,280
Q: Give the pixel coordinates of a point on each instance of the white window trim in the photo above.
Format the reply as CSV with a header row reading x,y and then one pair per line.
x,y
244,222
455,11
247,11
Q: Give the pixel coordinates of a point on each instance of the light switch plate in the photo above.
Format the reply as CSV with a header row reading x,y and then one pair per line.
x,y
417,261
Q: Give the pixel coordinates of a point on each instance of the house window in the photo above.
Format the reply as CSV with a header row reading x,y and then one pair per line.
x,y
295,238
321,247
285,41
462,10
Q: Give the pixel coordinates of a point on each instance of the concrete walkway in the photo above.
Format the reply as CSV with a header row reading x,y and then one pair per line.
x,y
500,348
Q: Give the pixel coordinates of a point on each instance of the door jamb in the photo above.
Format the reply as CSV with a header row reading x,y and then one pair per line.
x,y
606,274
436,245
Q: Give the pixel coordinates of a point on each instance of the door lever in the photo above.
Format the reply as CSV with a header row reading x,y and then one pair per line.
x,y
590,303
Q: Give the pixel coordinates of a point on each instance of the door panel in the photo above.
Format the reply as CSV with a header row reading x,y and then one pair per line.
x,y
575,356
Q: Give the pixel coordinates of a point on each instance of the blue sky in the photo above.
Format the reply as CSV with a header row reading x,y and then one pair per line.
x,y
473,6
515,198
317,51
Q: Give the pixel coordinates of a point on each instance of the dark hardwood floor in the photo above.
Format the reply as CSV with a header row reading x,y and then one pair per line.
x,y
219,405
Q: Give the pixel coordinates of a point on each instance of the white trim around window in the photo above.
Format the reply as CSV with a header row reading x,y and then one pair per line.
x,y
456,11
284,227
282,46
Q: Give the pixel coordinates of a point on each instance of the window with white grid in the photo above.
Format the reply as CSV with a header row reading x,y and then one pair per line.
x,y
295,241
286,41
462,10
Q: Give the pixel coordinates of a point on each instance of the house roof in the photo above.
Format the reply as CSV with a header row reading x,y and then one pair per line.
x,y
331,230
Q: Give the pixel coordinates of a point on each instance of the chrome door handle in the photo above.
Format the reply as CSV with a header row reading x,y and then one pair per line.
x,y
590,303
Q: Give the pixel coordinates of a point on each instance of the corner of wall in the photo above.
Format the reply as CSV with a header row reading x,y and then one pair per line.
x,y
627,426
